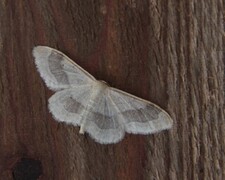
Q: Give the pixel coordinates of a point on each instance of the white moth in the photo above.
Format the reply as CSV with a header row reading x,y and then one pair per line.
x,y
104,112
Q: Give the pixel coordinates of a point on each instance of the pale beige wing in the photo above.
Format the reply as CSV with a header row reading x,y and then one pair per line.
x,y
101,122
115,112
59,71
67,105
138,115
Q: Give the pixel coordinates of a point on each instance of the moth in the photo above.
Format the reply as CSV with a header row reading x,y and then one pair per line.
x,y
104,112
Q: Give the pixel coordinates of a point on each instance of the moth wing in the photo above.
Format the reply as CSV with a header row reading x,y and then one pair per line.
x,y
59,71
101,123
67,105
138,115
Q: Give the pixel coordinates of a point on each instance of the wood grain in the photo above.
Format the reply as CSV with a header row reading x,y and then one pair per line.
x,y
169,52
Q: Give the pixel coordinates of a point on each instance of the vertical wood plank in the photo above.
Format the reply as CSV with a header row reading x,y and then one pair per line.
x,y
169,52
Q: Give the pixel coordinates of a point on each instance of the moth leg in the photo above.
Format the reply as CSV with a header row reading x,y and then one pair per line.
x,y
81,129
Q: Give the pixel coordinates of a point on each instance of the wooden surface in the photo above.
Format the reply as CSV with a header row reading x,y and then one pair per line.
x,y
167,51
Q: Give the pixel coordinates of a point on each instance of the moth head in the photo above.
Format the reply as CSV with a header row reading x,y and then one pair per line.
x,y
104,82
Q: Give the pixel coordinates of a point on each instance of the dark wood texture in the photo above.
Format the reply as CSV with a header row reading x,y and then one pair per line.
x,y
170,52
